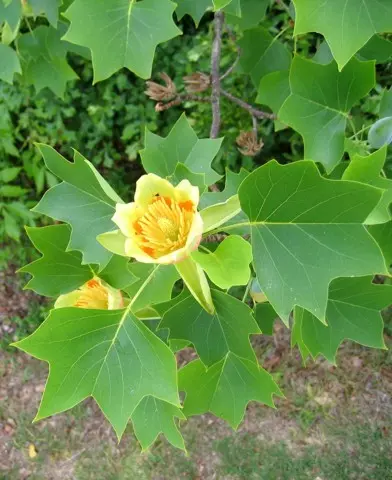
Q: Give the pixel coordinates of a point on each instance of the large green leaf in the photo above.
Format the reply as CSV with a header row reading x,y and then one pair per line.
x,y
11,13
57,271
368,170
320,98
84,200
9,63
228,265
107,354
213,336
273,90
195,9
162,155
152,417
262,54
161,279
44,62
226,388
249,15
353,313
117,273
121,33
346,26
383,235
306,231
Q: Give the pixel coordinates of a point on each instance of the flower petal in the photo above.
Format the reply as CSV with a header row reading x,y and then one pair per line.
x,y
186,191
126,214
114,242
67,300
149,186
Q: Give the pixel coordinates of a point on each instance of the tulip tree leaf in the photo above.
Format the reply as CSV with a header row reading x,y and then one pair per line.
x,y
159,289
152,417
195,9
9,63
11,13
353,313
386,104
49,7
226,388
220,213
262,54
57,271
318,104
97,353
265,317
162,155
296,333
380,133
44,62
301,222
383,236
121,33
228,265
117,273
346,26
367,170
250,13
273,90
233,181
213,336
84,200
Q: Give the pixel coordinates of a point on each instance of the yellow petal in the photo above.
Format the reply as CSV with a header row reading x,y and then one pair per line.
x,y
149,186
68,299
185,191
126,214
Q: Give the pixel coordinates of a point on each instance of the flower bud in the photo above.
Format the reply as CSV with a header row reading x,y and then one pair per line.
x,y
197,82
159,92
249,144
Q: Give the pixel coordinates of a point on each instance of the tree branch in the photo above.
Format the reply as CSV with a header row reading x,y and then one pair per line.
x,y
252,110
215,76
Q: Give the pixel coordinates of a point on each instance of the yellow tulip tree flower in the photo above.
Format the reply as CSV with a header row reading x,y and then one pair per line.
x,y
95,294
162,226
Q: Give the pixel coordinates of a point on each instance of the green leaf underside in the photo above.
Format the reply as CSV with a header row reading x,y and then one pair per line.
x,y
107,354
220,213
57,271
9,63
213,336
228,265
353,313
226,388
346,26
160,286
301,222
152,417
84,200
121,33
232,183
44,61
262,54
382,233
162,155
195,9
368,170
318,104
380,133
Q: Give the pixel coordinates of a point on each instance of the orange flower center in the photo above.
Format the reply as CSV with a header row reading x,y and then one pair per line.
x,y
93,295
164,227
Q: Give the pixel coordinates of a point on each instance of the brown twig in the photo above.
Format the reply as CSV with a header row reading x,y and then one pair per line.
x,y
252,110
161,106
233,38
215,76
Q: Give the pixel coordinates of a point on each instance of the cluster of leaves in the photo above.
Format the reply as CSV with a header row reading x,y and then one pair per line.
x,y
320,229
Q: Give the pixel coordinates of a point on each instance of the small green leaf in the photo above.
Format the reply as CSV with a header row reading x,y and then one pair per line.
x,y
386,104
380,133
9,63
11,13
273,90
58,271
160,278
382,233
220,213
265,316
121,33
13,191
162,155
318,104
44,62
296,333
11,227
49,7
346,27
152,417
98,353
226,388
195,9
9,174
368,170
353,313
250,15
113,241
378,49
300,223
117,273
182,172
228,265
233,181
213,335
262,54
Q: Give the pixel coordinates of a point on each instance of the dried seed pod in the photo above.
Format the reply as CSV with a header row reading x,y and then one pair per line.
x,y
159,92
248,143
197,82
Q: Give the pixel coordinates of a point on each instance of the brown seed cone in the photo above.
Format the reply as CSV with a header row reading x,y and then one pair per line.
x,y
159,92
197,82
249,144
